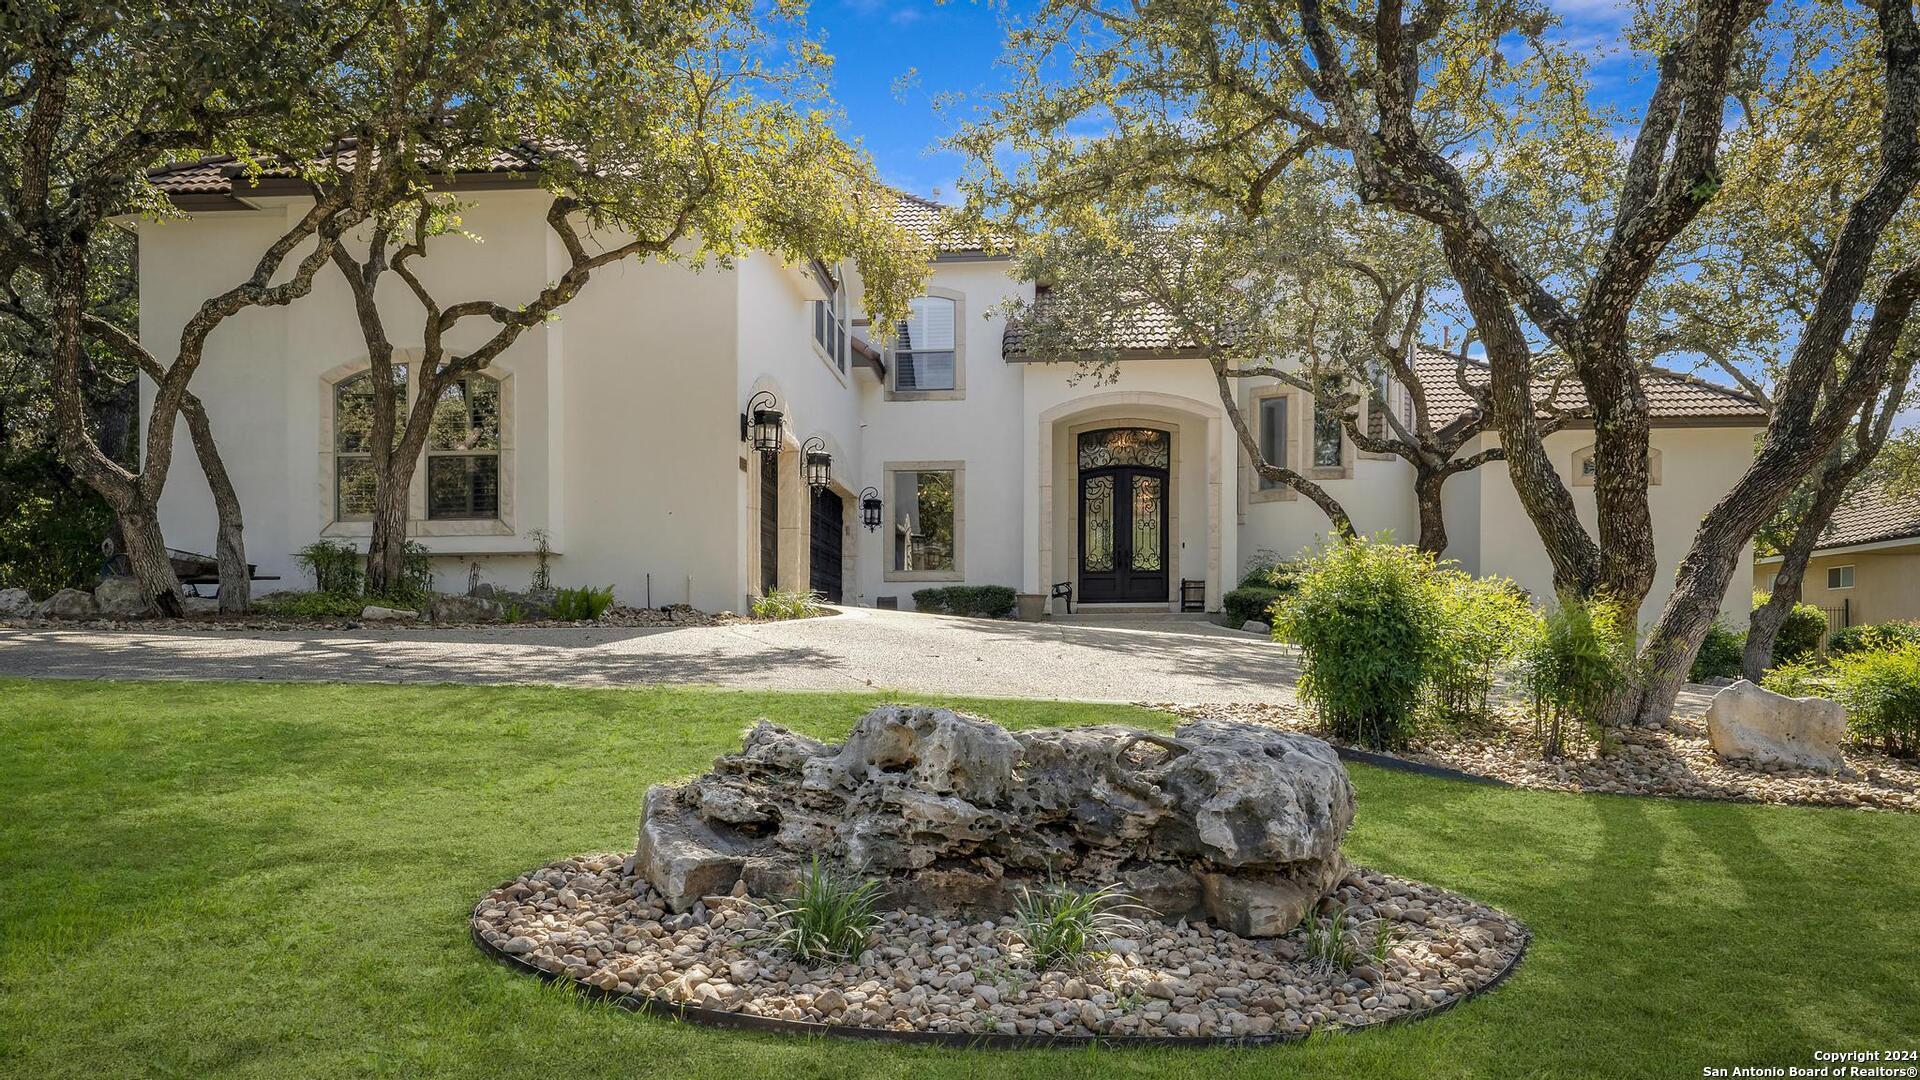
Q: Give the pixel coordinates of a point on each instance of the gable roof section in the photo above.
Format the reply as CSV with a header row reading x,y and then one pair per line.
x,y
932,224
1148,330
1671,395
1871,516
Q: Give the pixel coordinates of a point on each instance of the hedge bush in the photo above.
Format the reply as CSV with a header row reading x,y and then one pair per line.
x,y
1721,653
1583,654
1269,571
1481,625
1799,635
1881,690
1364,615
980,601
1873,637
1249,603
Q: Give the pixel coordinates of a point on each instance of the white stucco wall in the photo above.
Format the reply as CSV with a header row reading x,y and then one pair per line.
x,y
621,431
1697,467
978,429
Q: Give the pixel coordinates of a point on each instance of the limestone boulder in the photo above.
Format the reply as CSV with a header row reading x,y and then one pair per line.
x,y
376,613
122,598
1750,723
1238,823
69,604
15,604
466,609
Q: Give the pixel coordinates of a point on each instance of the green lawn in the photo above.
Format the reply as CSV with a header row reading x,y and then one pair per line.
x,y
260,880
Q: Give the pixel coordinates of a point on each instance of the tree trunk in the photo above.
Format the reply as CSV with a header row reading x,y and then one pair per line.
x,y
148,562
1769,617
386,549
1433,524
230,543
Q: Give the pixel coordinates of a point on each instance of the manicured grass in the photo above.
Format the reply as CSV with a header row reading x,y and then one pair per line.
x,y
258,880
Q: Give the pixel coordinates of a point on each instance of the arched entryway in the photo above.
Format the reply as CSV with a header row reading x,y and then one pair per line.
x,y
1122,485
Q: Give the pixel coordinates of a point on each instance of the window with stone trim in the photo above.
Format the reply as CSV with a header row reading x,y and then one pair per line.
x,y
926,346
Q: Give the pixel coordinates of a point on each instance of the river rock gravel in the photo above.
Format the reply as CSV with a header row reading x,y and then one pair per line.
x,y
1673,760
590,919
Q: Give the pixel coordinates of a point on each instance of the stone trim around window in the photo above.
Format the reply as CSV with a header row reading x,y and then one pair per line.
x,y
1281,493
888,494
1583,461
959,391
418,524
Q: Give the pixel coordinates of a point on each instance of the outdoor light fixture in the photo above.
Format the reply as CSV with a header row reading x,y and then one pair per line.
x,y
819,463
870,508
761,422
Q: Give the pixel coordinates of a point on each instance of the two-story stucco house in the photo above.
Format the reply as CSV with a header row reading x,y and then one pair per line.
x,y
626,431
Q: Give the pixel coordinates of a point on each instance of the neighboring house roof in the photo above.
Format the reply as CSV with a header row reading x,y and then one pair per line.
x,y
1671,395
1871,516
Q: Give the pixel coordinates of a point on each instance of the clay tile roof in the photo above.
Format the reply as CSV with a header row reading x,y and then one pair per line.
x,y
928,220
1871,516
215,175
1671,395
1147,328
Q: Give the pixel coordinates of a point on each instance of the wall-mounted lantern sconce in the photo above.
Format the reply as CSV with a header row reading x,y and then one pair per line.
x,y
870,508
819,463
761,422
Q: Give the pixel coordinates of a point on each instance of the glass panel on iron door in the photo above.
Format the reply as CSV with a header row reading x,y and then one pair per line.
x,y
1123,514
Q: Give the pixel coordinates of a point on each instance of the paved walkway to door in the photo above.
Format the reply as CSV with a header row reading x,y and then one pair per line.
x,y
1154,660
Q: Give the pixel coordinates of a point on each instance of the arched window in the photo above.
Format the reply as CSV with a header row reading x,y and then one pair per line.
x,y
462,456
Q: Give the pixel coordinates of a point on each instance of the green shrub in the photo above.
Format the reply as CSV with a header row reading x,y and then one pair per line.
x,y
1799,635
313,605
1249,603
1268,570
1363,614
1881,690
1874,637
1811,677
584,604
786,604
51,525
1066,927
1481,625
831,918
336,567
1583,654
983,601
1721,653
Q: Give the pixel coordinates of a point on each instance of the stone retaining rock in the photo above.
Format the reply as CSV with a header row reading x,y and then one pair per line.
x,y
466,609
15,603
376,613
68,604
1234,822
1748,722
121,598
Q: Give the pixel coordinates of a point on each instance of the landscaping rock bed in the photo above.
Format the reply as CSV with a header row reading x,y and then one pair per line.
x,y
1675,760
595,922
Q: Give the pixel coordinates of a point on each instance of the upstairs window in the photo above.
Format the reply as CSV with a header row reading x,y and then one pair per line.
x,y
1273,438
925,346
1329,441
830,329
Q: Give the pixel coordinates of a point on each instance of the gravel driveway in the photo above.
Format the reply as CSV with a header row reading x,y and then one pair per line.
x,y
1155,660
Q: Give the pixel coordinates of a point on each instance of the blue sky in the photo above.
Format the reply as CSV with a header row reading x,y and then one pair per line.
x,y
952,48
